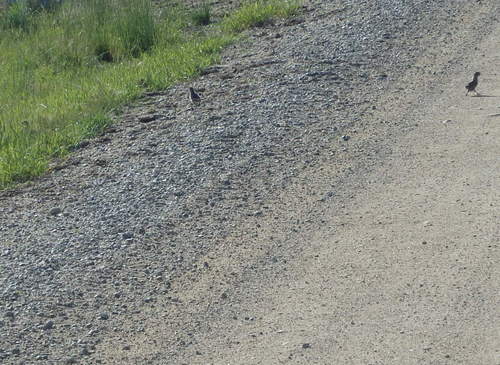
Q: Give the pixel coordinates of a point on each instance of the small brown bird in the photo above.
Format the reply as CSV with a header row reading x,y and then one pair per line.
x,y
193,96
471,86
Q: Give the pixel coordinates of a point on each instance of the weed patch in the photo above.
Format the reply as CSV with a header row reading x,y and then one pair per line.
x,y
258,13
201,15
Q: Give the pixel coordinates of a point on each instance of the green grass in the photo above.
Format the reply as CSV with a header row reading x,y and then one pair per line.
x,y
258,13
201,15
18,15
62,72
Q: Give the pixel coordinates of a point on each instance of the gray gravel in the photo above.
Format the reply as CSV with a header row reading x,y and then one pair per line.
x,y
86,249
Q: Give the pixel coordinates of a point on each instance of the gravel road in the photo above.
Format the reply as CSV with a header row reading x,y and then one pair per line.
x,y
165,240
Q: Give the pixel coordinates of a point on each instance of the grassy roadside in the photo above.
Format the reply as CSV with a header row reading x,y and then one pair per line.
x,y
63,71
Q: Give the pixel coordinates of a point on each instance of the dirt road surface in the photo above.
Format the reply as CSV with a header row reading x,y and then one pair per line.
x,y
320,206
405,267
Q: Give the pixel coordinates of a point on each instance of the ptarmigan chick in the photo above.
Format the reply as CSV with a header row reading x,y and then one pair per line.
x,y
471,86
193,96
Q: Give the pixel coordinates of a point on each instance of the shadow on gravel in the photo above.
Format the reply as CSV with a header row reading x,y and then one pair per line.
x,y
484,96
